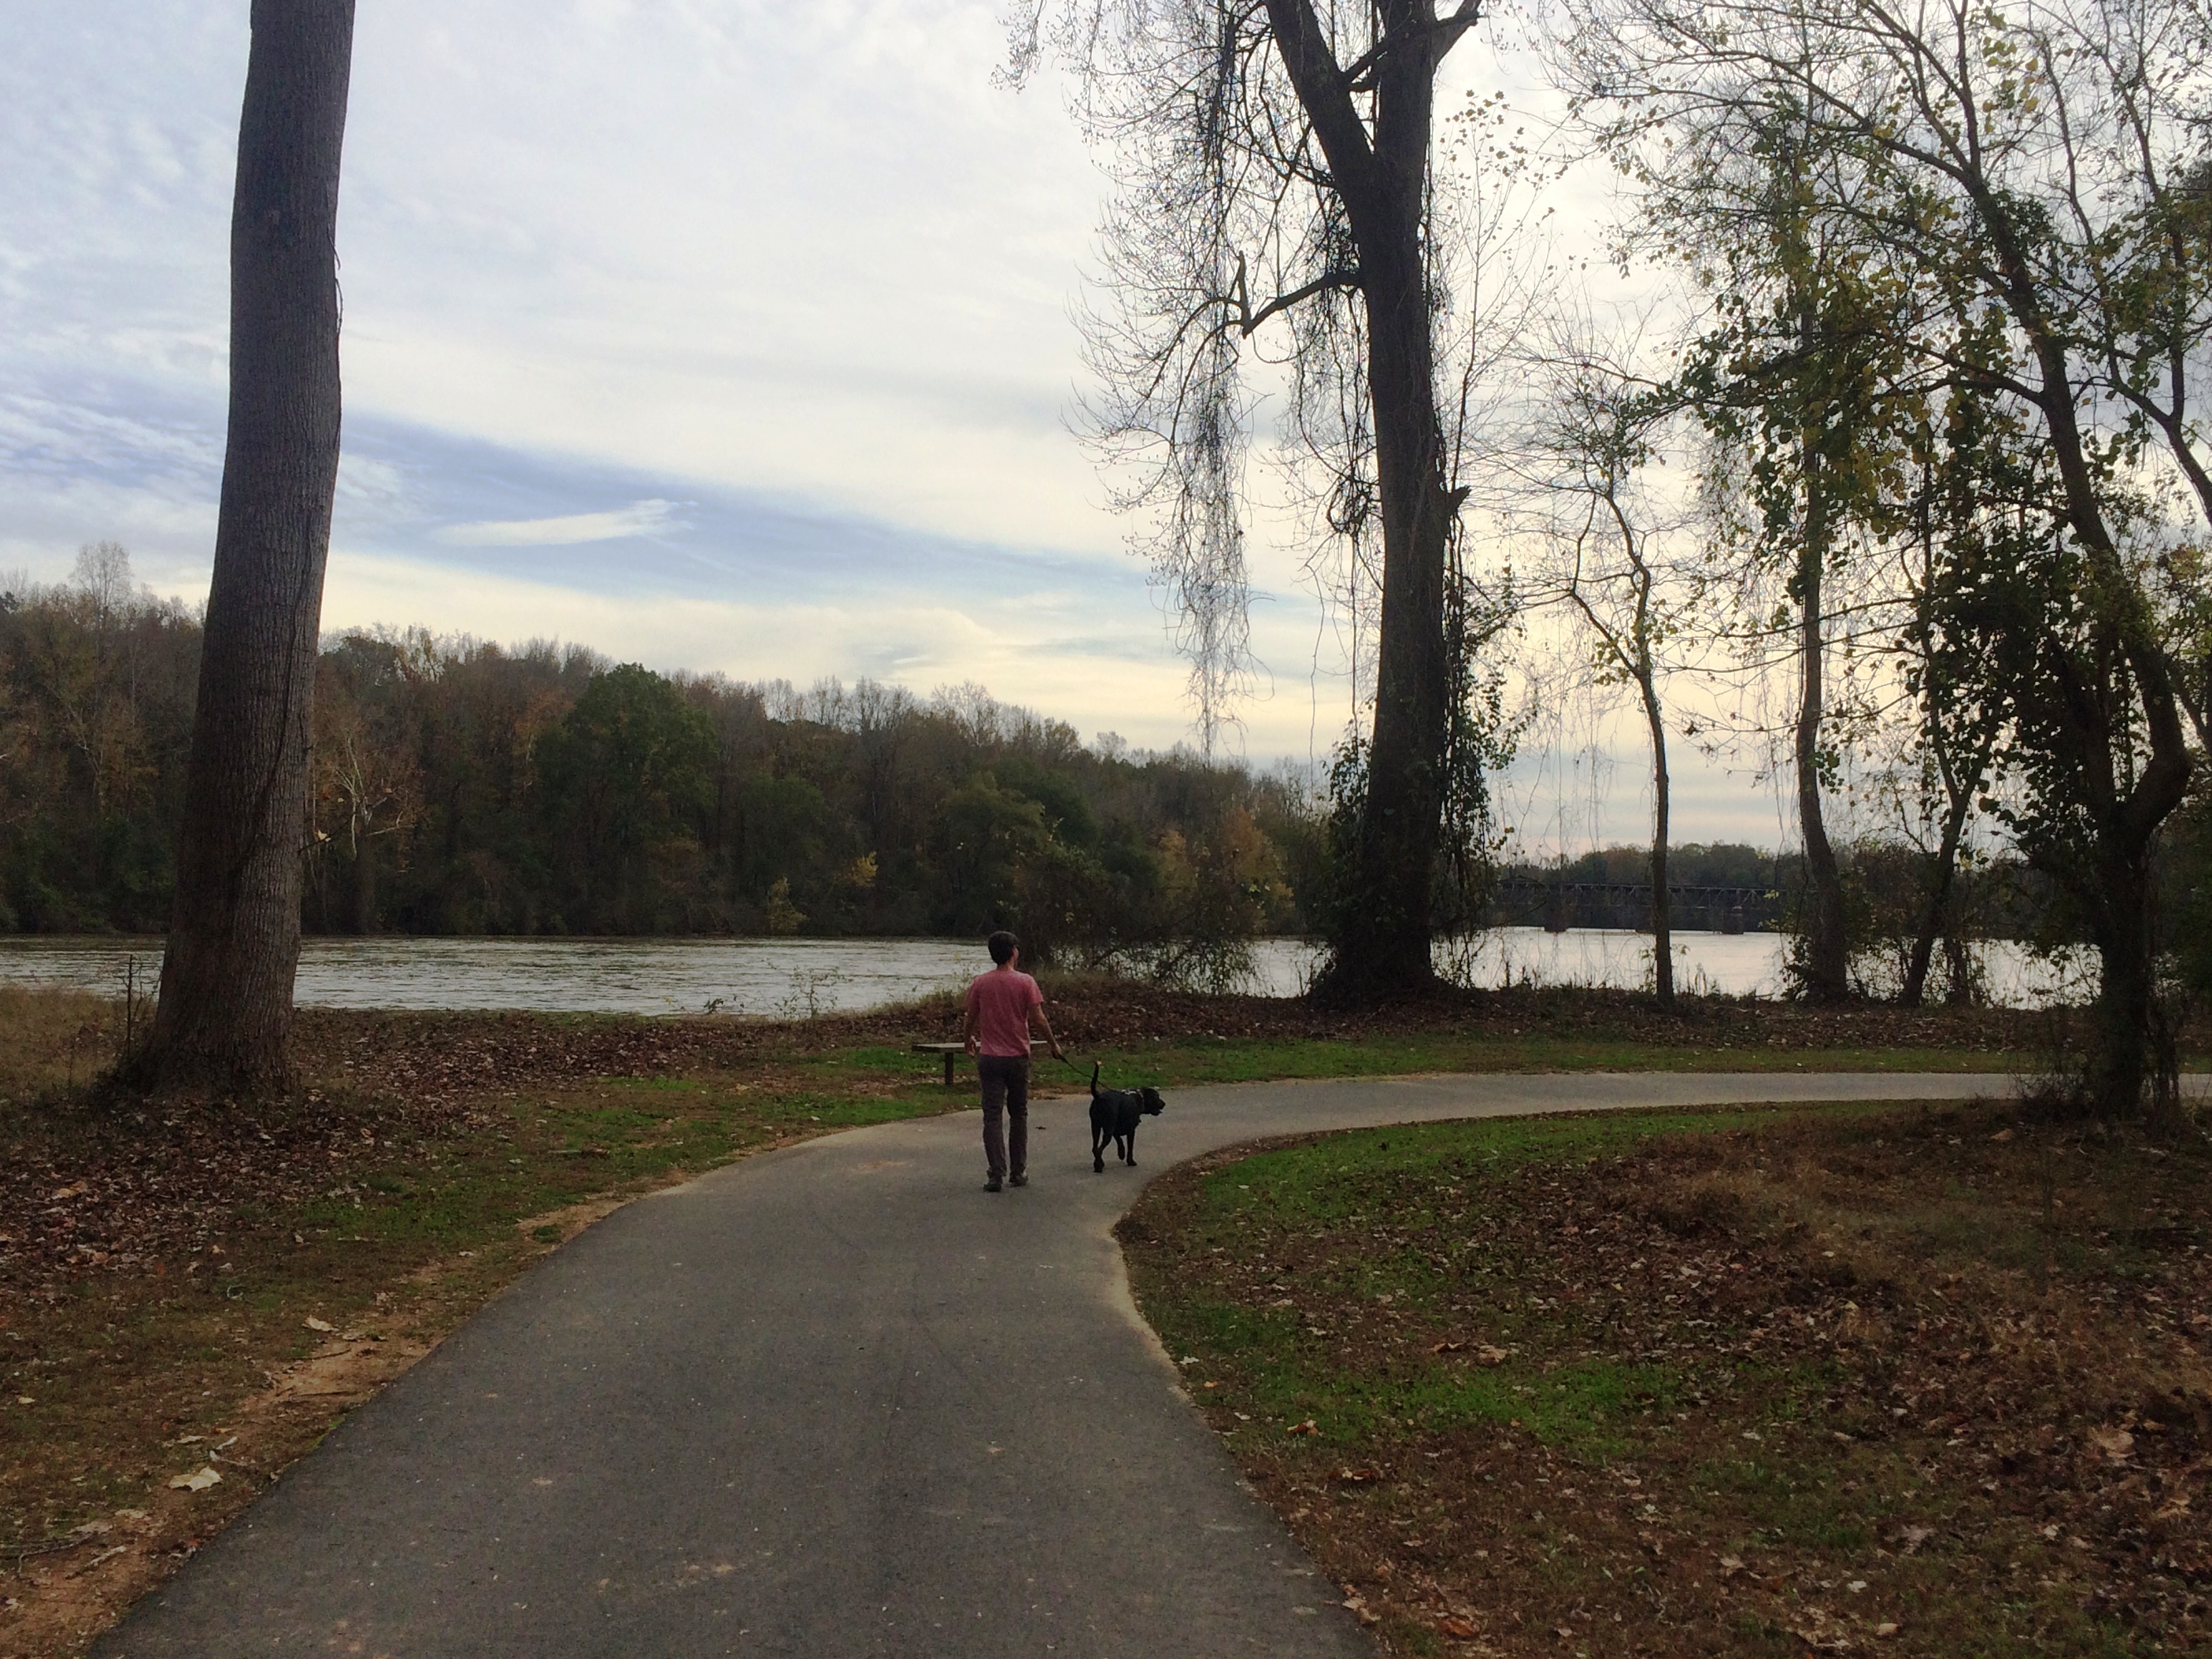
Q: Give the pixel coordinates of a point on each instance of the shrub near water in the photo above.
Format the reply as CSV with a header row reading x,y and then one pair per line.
x,y
1927,1382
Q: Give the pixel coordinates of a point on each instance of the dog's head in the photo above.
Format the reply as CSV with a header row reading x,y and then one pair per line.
x,y
1152,1105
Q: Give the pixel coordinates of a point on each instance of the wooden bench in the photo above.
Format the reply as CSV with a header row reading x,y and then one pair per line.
x,y
953,1051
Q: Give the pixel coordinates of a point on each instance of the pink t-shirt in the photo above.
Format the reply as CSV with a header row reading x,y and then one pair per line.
x,y
1000,1001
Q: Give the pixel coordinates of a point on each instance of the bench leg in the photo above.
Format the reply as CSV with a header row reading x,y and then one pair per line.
x,y
948,1068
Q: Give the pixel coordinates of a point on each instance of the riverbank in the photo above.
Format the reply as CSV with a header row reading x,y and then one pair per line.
x,y
194,1295
800,977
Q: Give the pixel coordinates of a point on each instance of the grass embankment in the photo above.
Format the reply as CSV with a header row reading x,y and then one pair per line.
x,y
196,1288
1929,1381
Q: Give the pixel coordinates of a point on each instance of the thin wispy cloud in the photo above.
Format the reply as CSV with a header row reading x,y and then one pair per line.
x,y
647,518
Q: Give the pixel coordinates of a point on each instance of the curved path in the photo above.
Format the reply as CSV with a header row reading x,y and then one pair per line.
x,y
832,1401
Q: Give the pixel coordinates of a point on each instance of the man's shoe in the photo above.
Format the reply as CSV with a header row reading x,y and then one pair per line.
x,y
1017,1181
992,1185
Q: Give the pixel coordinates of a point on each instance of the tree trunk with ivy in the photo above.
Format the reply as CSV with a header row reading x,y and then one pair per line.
x,y
1385,913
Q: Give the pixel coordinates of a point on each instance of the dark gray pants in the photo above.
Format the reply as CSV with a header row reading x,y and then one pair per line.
x,y
1006,1096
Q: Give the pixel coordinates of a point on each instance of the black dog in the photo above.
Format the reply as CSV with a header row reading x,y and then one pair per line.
x,y
1113,1115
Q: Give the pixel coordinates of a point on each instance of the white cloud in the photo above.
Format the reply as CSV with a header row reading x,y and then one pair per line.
x,y
1032,654
647,518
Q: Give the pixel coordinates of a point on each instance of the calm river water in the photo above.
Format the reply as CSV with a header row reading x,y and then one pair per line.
x,y
786,978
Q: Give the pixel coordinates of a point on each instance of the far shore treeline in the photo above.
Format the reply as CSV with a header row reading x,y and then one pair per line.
x,y
463,788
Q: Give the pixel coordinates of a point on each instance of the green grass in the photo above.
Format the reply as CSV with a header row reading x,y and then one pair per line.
x,y
1242,1060
608,1136
1285,1380
1288,1371
1341,1174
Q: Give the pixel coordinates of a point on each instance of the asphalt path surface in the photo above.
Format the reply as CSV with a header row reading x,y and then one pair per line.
x,y
834,1400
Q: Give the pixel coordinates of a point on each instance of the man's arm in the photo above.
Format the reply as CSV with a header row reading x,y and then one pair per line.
x,y
967,1024
1037,1014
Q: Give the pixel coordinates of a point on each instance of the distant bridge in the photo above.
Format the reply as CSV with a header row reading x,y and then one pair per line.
x,y
1520,901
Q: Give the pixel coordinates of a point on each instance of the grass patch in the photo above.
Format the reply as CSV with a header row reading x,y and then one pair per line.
x,y
1927,1381
1231,1060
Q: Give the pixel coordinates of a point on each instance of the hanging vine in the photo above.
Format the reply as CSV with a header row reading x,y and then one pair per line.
x,y
1199,556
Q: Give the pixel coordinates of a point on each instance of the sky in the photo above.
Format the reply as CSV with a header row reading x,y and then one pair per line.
x,y
720,335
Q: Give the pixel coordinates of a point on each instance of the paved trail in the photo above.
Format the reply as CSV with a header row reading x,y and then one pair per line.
x,y
829,1402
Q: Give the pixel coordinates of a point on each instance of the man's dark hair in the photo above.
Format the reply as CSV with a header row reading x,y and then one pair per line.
x,y
1002,946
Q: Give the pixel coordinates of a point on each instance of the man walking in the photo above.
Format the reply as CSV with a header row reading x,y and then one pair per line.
x,y
1000,1006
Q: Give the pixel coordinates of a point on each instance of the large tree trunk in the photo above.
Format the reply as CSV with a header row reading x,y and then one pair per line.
x,y
1383,941
2131,1065
2125,1021
233,944
1825,966
1384,931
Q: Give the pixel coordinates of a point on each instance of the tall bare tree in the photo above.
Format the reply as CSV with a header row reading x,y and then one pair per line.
x,y
1605,532
1275,160
234,945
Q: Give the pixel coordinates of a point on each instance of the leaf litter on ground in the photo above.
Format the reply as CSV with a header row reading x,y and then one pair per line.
x,y
1764,1379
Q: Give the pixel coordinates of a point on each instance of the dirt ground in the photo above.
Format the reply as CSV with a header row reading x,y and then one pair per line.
x,y
1930,1382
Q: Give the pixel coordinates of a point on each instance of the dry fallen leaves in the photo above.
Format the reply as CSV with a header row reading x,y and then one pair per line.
x,y
198,1480
1695,1256
1822,1641
2115,1444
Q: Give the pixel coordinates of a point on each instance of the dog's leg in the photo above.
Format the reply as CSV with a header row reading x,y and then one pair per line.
x,y
1131,1160
1098,1150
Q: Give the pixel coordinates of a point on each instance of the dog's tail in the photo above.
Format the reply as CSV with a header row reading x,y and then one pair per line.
x,y
1094,1064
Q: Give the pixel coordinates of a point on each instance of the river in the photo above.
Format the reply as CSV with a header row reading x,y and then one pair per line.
x,y
792,978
